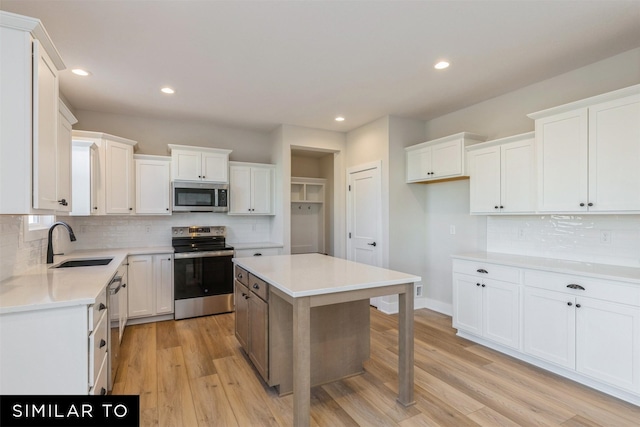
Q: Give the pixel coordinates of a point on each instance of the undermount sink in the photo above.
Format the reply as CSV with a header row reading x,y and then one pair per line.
x,y
84,262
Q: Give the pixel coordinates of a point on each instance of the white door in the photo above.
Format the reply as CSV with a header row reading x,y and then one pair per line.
x,y
467,304
119,175
484,168
261,190
501,312
364,204
517,185
446,159
240,190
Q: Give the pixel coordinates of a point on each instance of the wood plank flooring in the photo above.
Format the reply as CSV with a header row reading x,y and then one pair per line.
x,y
193,373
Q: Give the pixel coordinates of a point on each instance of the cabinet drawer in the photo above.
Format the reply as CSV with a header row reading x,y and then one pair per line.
x,y
486,270
97,309
242,275
607,290
242,253
100,384
98,347
259,287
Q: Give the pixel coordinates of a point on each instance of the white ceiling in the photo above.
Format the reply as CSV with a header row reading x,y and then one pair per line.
x,y
257,64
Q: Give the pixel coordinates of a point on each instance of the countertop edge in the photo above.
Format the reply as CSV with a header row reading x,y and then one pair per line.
x,y
595,270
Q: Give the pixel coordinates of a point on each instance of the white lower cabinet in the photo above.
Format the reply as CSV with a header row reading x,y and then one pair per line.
x,y
580,326
150,285
597,338
55,351
488,308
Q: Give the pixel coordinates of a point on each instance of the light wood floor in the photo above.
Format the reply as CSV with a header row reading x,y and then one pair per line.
x,y
193,373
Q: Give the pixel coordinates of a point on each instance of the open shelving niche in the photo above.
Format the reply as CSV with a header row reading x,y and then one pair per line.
x,y
307,215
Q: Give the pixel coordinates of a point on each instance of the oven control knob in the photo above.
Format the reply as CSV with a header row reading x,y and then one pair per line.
x,y
181,231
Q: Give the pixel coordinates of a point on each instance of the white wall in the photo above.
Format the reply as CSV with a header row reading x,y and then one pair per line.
x,y
447,204
287,137
367,144
153,135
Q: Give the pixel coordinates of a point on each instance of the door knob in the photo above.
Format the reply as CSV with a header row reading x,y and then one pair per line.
x,y
372,244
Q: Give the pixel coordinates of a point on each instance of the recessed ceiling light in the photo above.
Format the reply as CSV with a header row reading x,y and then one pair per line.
x,y
167,90
80,72
441,65
339,119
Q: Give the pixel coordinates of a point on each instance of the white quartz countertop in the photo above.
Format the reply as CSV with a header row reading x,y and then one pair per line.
x,y
255,245
316,274
42,287
602,271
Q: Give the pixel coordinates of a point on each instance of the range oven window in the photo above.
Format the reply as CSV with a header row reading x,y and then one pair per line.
x,y
203,276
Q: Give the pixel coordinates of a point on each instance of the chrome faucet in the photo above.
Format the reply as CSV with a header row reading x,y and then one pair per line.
x,y
72,237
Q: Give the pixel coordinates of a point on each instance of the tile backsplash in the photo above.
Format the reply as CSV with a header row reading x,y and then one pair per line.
x,y
606,239
16,254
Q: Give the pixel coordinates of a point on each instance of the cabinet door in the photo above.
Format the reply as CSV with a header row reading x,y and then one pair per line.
x,y
240,190
119,175
242,314
614,155
63,168
261,190
418,164
123,303
562,147
97,182
608,342
215,167
152,187
484,186
549,326
447,159
517,184
467,304
163,283
258,335
141,302
501,312
45,129
186,165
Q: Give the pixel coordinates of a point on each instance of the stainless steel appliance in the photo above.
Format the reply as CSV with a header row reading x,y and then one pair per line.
x,y
202,271
199,197
115,286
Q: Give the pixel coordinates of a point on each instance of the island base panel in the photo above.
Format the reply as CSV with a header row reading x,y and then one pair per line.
x,y
340,342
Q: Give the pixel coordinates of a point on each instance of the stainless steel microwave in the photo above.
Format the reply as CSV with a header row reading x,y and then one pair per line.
x,y
199,197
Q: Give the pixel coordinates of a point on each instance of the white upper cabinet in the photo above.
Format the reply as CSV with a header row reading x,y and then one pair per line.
x,y
442,158
110,171
251,189
199,164
502,175
153,184
29,116
63,156
589,154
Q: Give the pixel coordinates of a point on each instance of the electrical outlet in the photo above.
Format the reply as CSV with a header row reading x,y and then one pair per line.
x,y
418,291
605,237
148,229
521,233
452,229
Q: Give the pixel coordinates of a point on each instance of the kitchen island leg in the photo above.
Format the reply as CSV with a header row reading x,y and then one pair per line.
x,y
405,344
302,362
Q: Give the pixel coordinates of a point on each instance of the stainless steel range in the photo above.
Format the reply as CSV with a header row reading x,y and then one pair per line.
x,y
202,271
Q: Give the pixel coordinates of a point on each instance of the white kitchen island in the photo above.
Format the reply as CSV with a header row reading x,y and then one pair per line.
x,y
313,280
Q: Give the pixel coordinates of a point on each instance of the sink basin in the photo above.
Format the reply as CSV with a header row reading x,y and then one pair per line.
x,y
84,262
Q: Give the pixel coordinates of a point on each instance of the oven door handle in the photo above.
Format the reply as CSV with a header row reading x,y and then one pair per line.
x,y
185,255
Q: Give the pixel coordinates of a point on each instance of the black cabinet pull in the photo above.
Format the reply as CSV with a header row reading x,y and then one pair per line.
x,y
477,284
130,209
101,307
63,202
482,270
589,204
372,244
581,204
578,306
239,276
495,207
102,343
501,207
483,285
257,254
569,303
95,207
256,286
124,285
203,177
574,286
103,391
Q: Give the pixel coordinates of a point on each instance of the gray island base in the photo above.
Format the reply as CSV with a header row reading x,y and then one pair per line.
x,y
304,320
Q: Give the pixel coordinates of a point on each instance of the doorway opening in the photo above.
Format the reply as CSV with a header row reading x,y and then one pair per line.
x,y
312,201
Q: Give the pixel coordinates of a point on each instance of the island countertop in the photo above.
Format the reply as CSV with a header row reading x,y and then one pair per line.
x,y
316,274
